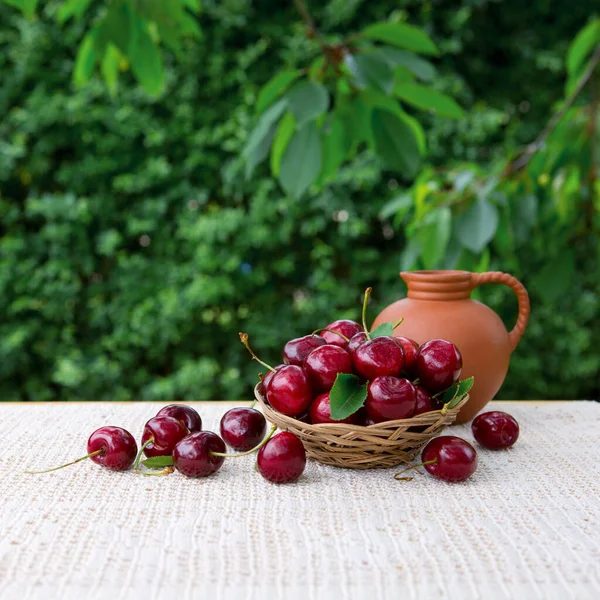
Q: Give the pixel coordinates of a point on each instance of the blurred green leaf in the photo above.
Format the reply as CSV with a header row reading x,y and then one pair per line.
x,y
284,134
428,99
370,71
110,67
336,144
395,142
476,227
72,8
307,100
422,68
274,87
399,204
401,35
146,59
263,128
301,161
582,46
555,278
27,7
87,56
434,235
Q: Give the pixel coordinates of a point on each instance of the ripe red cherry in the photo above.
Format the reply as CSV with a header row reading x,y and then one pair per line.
x,y
450,458
495,430
296,350
243,428
111,447
425,401
344,326
390,398
266,380
192,456
320,411
355,341
289,390
282,459
162,433
379,356
324,363
411,348
438,365
185,414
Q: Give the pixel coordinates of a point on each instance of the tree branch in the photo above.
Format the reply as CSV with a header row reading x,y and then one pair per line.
x,y
306,16
533,148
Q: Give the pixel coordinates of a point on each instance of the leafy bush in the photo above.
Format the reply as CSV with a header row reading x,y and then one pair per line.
x,y
133,248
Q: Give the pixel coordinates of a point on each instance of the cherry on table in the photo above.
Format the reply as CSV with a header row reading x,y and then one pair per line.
x,y
282,459
390,398
346,327
320,411
379,356
295,351
438,365
186,415
193,455
161,434
243,428
111,447
495,430
449,458
324,363
411,349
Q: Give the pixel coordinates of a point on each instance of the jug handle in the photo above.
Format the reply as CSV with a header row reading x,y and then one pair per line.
x,y
522,297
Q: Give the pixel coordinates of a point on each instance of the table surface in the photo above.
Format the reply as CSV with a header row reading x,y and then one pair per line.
x,y
526,525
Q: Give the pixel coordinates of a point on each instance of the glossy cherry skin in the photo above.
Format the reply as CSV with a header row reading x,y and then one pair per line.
x,y
438,365
282,459
166,431
243,428
390,398
320,411
192,455
344,326
266,380
185,414
296,350
411,348
118,446
289,390
355,341
379,356
495,430
425,401
455,459
323,364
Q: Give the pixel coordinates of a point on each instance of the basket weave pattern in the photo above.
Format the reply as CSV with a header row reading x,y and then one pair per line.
x,y
378,446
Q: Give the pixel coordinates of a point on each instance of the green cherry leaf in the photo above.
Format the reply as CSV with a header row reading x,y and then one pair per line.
x,y
453,395
385,329
347,395
158,462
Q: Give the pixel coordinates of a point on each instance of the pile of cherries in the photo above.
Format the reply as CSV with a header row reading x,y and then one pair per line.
x,y
174,439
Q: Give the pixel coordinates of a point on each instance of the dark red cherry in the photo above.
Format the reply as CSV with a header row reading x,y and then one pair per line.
x,y
192,456
495,430
438,365
390,398
118,447
164,432
344,326
320,411
282,459
268,376
355,341
185,414
296,350
243,428
425,401
379,356
289,390
453,459
411,348
324,363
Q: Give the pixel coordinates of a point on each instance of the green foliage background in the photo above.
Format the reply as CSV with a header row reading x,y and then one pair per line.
x,y
133,250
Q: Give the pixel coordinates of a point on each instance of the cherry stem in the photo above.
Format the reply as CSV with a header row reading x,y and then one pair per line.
x,y
253,403
251,451
136,463
67,464
428,462
417,381
331,331
364,311
244,340
398,323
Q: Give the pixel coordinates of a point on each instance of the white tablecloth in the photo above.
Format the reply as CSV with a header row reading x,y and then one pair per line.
x,y
527,525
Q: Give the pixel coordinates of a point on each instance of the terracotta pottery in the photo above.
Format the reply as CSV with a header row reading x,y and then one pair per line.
x,y
439,306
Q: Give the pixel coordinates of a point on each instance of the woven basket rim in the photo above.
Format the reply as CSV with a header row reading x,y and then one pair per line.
x,y
349,428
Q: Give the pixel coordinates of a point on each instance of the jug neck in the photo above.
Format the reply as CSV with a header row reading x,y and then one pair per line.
x,y
438,285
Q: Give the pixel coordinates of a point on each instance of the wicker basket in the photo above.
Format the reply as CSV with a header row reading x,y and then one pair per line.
x,y
377,446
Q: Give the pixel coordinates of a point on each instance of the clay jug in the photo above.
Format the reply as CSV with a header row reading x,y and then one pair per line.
x,y
439,306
